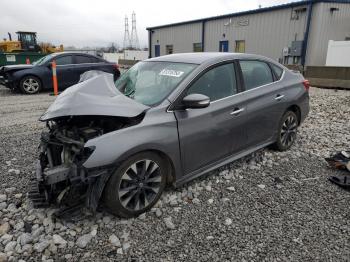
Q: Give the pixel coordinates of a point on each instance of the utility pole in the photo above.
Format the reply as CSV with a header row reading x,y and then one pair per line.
x,y
127,43
134,38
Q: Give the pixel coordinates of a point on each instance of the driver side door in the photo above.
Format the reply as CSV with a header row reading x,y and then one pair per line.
x,y
206,135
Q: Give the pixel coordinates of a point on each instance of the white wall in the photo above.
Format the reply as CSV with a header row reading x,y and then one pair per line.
x,y
325,26
127,54
135,55
338,53
113,57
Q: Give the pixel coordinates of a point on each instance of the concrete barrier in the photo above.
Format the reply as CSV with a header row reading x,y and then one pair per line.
x,y
328,76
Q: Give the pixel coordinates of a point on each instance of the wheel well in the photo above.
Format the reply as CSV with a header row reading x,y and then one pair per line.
x,y
296,110
171,169
20,80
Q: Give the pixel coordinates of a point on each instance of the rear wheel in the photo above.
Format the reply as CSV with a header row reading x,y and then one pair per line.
x,y
287,131
30,85
136,185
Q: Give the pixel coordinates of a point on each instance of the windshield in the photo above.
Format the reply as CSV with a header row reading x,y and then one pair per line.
x,y
151,82
43,60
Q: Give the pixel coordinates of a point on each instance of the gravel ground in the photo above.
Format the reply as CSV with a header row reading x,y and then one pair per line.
x,y
267,206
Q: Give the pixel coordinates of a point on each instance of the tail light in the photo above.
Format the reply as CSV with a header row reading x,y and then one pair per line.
x,y
306,84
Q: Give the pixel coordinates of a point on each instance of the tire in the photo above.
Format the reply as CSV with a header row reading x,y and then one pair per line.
x,y
127,193
287,131
30,85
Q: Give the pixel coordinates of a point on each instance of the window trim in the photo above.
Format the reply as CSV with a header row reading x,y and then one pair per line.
x,y
55,58
268,64
239,41
201,47
86,55
273,71
175,105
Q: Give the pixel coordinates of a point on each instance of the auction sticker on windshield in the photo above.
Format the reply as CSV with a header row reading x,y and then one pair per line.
x,y
170,72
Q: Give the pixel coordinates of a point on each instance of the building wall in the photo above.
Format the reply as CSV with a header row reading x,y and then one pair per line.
x,y
326,26
181,37
265,33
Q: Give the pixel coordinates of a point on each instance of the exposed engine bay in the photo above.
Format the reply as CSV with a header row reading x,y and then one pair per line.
x,y
61,177
92,108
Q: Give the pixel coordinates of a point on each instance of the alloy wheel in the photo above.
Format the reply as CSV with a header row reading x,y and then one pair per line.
x,y
31,85
140,185
288,131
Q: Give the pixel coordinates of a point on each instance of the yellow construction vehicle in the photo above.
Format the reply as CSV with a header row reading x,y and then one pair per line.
x,y
27,42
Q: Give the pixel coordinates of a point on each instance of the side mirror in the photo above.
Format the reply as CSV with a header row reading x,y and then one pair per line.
x,y
49,65
196,101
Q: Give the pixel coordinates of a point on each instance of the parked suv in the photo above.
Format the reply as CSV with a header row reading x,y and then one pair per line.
x,y
31,79
165,121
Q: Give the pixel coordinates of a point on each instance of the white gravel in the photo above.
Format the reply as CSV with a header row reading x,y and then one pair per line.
x,y
267,206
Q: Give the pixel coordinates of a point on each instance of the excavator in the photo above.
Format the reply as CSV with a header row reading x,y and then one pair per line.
x,y
26,42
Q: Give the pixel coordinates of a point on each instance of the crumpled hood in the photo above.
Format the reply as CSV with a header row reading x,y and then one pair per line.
x,y
15,67
96,94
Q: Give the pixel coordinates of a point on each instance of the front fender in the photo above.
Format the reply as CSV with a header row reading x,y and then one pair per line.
x,y
117,146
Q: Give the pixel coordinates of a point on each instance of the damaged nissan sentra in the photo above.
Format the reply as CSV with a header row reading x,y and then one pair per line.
x,y
164,122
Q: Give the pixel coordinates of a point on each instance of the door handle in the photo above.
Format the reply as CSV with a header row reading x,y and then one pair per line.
x,y
279,97
237,111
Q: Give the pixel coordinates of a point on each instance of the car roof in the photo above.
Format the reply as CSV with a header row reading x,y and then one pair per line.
x,y
73,53
203,57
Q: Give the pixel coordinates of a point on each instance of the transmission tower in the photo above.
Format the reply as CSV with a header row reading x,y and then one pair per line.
x,y
127,43
134,38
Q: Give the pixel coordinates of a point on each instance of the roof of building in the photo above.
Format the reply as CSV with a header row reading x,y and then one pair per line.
x,y
254,11
202,57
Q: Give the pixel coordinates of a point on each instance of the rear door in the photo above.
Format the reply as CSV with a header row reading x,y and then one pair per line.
x,y
206,135
265,100
102,65
65,72
82,63
87,62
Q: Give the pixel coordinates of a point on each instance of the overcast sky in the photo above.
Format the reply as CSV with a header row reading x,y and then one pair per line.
x,y
101,22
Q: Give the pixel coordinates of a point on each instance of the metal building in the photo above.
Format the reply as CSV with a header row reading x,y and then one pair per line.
x,y
294,33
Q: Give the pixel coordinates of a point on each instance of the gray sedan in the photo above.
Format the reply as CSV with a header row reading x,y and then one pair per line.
x,y
165,121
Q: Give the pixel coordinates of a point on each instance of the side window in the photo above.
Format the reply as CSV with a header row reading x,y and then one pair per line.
x,y
96,60
277,70
81,59
255,73
217,83
64,60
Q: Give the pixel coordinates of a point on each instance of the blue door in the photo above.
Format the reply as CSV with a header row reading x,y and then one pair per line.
x,y
223,46
157,50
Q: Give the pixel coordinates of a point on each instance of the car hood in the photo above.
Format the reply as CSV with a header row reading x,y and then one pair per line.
x,y
95,94
15,67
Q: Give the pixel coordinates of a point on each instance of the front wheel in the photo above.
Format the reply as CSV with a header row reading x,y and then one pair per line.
x,y
287,131
30,85
136,185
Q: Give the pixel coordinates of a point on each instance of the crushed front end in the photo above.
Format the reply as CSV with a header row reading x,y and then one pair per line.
x,y
61,177
81,113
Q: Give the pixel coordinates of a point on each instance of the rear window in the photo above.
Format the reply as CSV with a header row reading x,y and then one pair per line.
x,y
96,60
80,59
277,71
255,73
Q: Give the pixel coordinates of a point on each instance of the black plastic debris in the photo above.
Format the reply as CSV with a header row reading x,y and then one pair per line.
x,y
341,161
342,181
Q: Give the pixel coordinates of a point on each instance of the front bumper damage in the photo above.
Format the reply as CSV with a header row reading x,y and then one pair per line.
x,y
62,180
85,111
